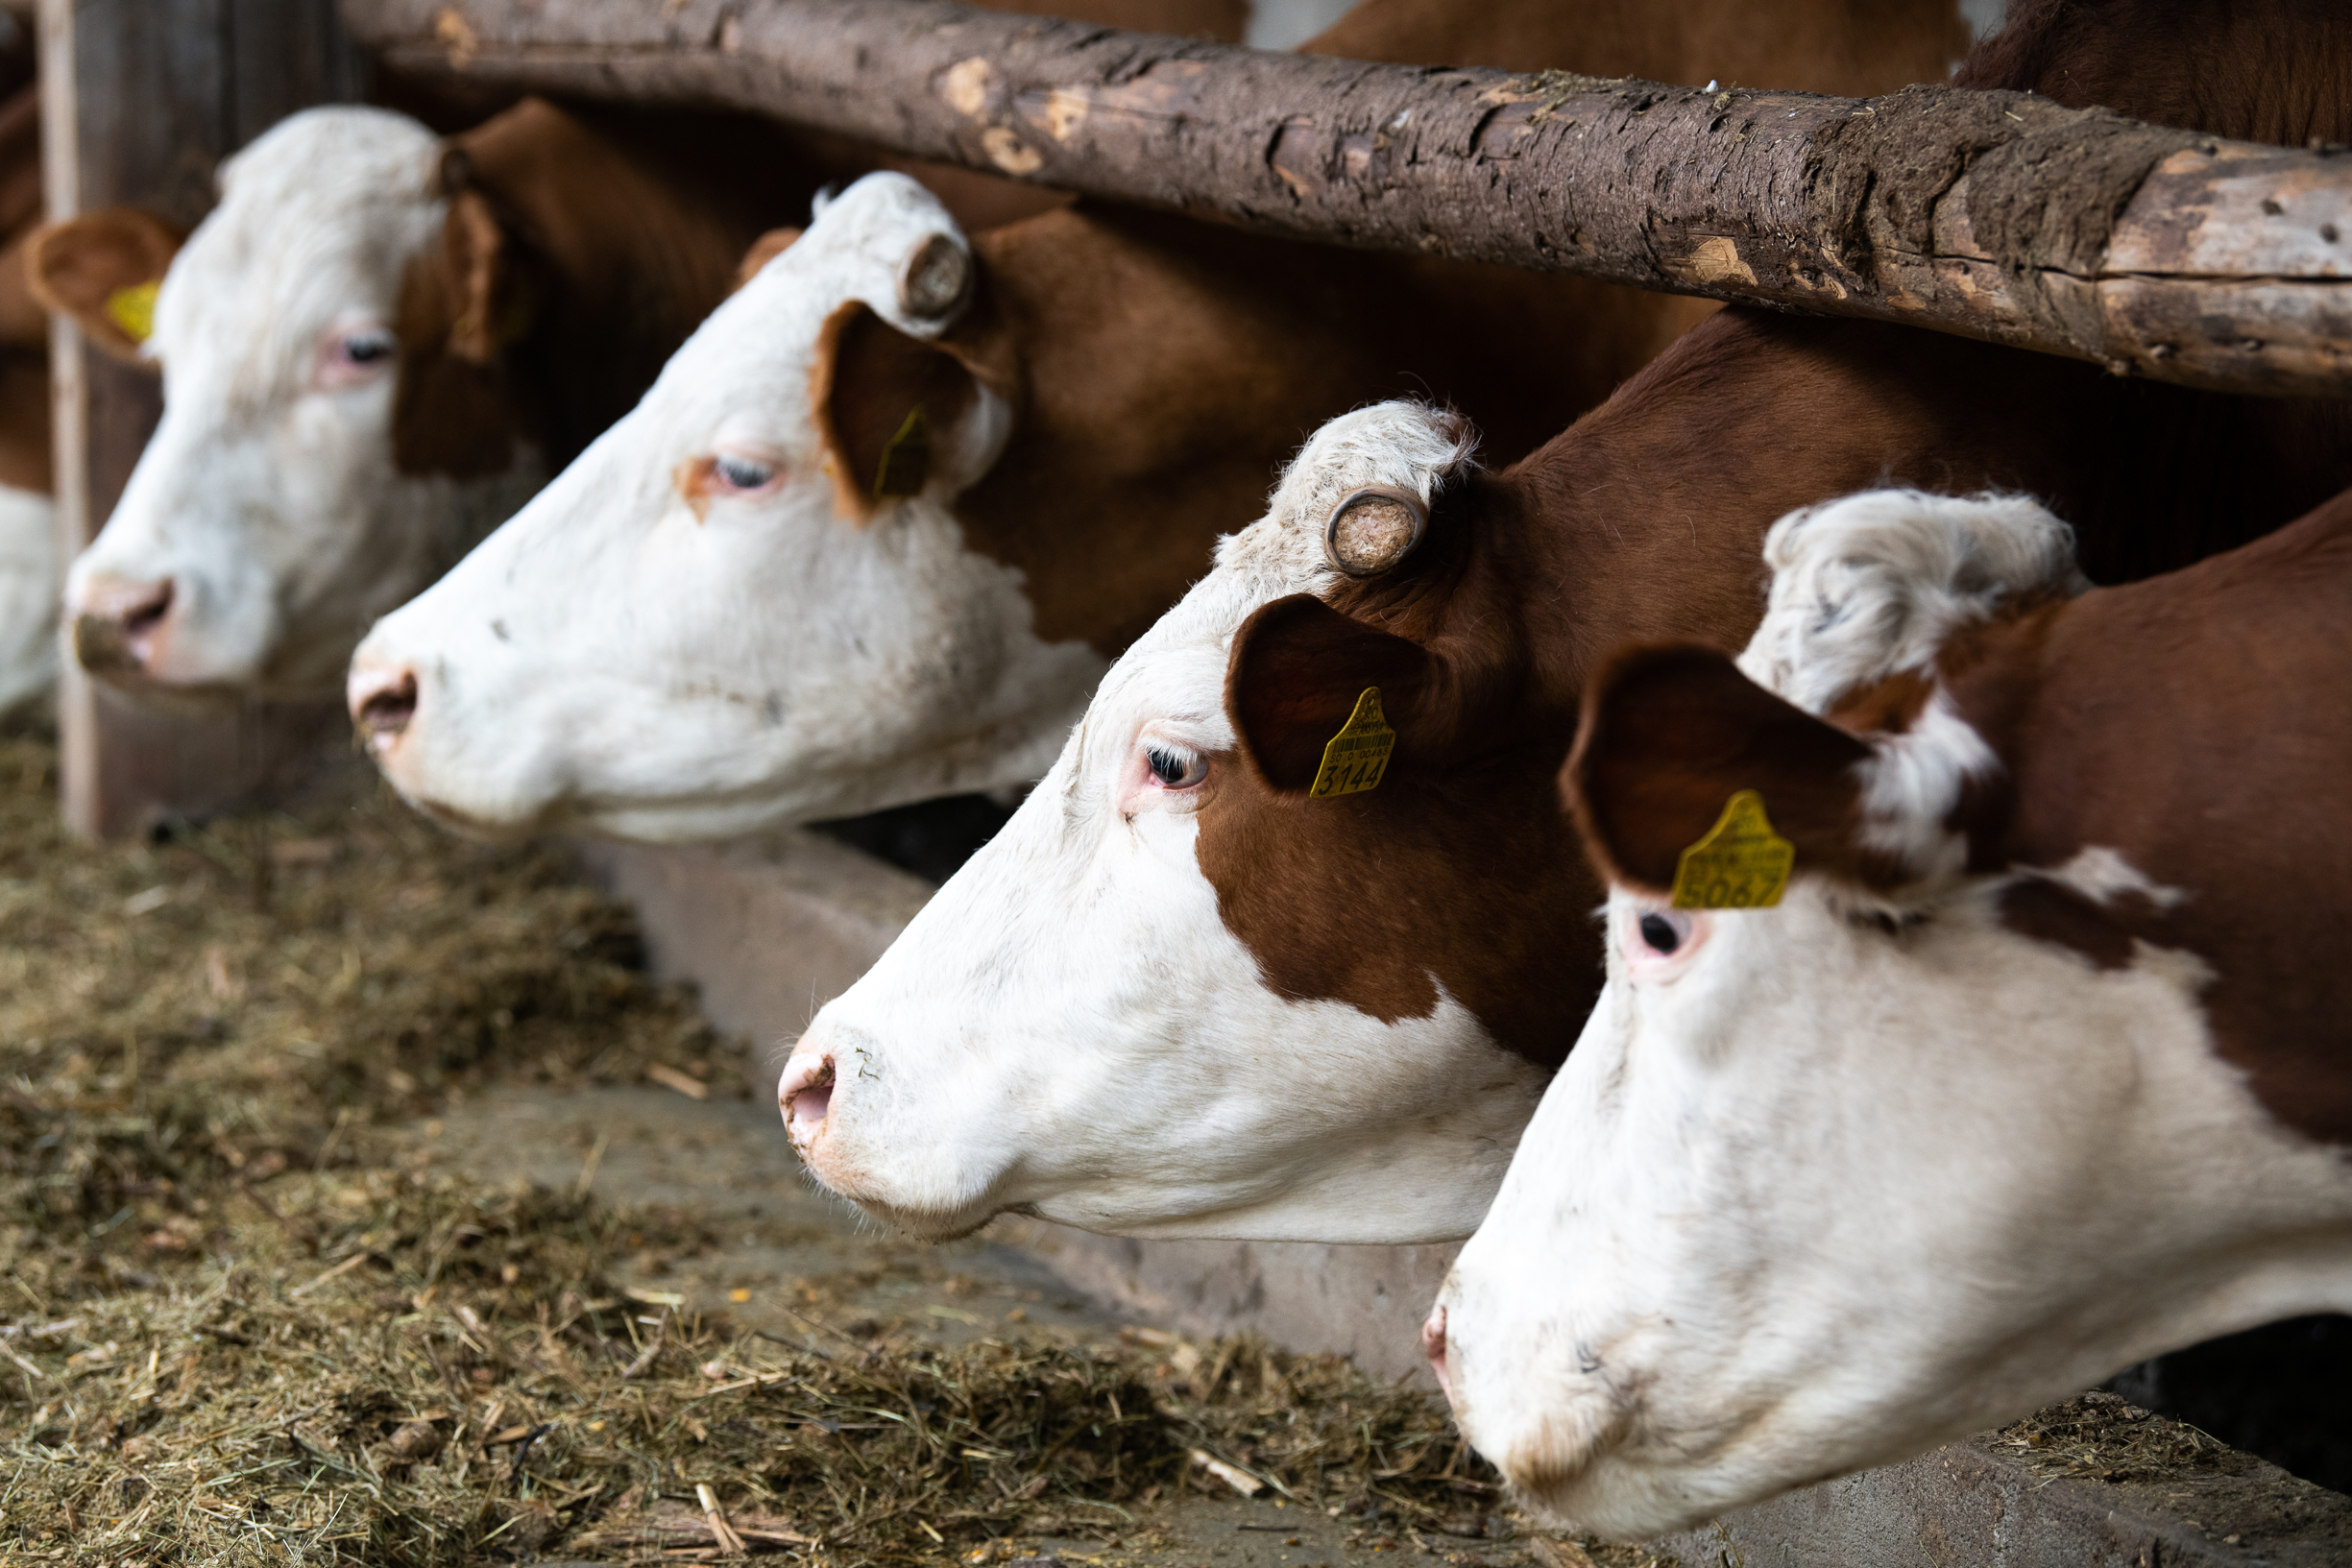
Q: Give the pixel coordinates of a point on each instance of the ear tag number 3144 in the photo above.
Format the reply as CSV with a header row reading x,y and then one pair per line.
x,y
1740,864
1359,753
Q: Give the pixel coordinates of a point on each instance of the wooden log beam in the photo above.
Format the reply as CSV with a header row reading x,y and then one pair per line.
x,y
1993,215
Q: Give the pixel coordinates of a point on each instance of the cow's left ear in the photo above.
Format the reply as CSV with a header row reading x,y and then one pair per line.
x,y
889,408
101,269
1297,670
1671,734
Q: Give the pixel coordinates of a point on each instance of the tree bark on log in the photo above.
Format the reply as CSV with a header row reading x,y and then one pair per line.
x,y
1999,216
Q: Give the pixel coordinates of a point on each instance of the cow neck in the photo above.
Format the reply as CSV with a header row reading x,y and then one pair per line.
x,y
1162,371
2224,793
632,232
2276,71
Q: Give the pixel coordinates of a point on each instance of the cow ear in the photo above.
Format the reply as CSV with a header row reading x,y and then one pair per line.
x,y
461,302
1671,734
764,249
102,270
1296,672
488,285
887,406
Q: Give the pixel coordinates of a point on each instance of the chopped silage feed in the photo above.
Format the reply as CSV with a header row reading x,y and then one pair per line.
x,y
236,1326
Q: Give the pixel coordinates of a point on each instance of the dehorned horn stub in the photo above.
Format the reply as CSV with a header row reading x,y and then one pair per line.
x,y
1374,528
934,278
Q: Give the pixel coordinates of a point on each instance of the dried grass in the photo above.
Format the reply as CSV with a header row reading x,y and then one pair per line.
x,y
237,1331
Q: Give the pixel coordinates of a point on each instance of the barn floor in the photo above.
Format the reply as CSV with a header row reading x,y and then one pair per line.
x,y
362,1199
355,1207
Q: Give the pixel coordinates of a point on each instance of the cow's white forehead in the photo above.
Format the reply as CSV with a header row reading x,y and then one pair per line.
x,y
1177,669
318,218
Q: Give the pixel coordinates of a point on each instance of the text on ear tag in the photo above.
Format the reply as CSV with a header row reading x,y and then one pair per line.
x,y
906,462
134,310
1740,864
1356,756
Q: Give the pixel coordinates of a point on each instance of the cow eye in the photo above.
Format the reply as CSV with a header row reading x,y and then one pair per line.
x,y
1663,933
369,347
1176,769
740,474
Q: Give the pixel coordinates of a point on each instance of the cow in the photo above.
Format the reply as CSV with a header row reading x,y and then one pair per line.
x,y
2038,1065
1184,992
728,615
383,342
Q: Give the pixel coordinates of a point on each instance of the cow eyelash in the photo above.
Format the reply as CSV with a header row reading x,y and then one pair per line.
x,y
1174,769
740,474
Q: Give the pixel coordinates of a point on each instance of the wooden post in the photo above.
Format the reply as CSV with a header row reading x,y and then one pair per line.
x,y
140,103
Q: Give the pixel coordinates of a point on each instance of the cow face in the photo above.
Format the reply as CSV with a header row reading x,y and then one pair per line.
x,y
1828,1183
749,600
267,521
1180,996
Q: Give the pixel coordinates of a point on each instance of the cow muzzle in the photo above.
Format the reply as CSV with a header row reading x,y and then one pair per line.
x,y
119,625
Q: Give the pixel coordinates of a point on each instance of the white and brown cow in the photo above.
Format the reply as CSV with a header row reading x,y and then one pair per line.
x,y
2042,1064
1178,994
27,518
374,350
735,610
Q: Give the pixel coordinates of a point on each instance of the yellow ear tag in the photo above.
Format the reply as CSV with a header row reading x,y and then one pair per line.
x,y
1356,756
1740,864
134,310
906,462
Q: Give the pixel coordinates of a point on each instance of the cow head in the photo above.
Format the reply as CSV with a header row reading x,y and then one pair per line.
x,y
749,600
1180,993
331,435
1827,1183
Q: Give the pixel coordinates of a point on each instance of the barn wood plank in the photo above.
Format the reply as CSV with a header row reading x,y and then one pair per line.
x,y
1991,215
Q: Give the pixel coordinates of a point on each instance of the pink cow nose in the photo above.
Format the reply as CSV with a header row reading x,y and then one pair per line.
x,y
805,1094
1433,1346
115,624
383,701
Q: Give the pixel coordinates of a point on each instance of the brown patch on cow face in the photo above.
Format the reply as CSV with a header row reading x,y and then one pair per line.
x,y
25,451
1458,869
76,267
1468,880
868,380
1670,735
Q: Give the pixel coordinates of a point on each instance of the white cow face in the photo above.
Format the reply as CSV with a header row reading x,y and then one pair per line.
x,y
267,523
1826,1184
1071,1028
749,601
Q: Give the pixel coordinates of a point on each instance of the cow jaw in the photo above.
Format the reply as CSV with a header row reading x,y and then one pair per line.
x,y
686,637
265,523
2005,1193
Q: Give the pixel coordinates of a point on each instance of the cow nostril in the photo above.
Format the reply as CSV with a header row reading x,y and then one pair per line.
x,y
1433,1346
385,714
114,621
145,613
805,1102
